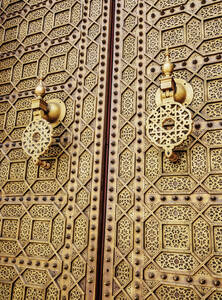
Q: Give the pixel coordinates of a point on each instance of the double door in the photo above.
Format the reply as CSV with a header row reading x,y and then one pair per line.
x,y
113,217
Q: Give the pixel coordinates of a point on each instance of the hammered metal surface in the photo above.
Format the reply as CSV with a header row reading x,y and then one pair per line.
x,y
163,224
49,218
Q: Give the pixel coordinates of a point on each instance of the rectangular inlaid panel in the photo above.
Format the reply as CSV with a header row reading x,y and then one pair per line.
x,y
49,218
163,219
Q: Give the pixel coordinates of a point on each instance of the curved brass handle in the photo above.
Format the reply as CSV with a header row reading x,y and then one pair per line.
x,y
37,136
170,123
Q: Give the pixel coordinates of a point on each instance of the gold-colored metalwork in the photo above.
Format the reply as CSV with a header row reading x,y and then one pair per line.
x,y
163,219
178,88
49,218
53,110
37,136
183,92
170,123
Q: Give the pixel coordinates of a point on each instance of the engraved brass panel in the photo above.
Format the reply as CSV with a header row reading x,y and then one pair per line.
x,y
163,224
49,217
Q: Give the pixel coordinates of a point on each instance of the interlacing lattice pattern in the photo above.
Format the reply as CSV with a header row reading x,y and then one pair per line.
x,y
37,137
166,230
49,218
163,220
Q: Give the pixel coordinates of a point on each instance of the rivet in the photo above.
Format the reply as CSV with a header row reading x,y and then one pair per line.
x,y
151,275
216,282
189,279
137,262
137,285
138,208
202,281
137,229
175,278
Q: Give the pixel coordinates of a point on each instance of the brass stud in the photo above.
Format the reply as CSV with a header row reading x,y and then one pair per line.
x,y
137,273
189,279
137,285
202,281
175,277
216,282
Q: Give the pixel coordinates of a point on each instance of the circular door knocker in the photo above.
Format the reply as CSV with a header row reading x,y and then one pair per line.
x,y
37,137
171,122
168,126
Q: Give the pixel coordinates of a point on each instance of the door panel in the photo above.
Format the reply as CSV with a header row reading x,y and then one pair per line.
x,y
49,222
163,219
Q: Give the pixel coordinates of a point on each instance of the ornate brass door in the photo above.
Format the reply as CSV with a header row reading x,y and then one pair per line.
x,y
123,223
163,219
49,218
